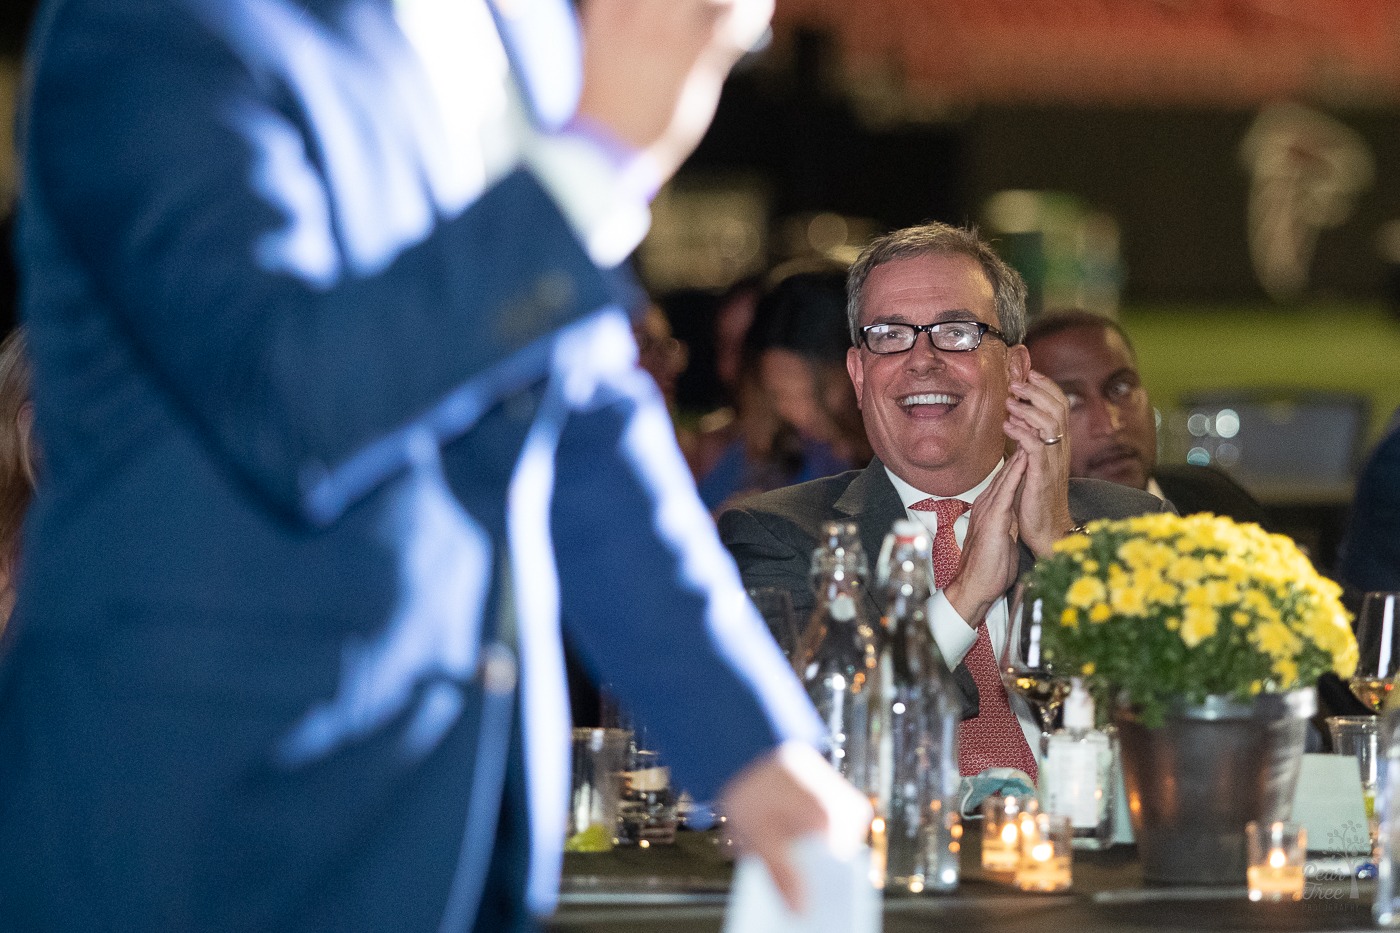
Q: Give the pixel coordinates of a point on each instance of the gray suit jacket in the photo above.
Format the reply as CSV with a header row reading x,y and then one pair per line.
x,y
772,535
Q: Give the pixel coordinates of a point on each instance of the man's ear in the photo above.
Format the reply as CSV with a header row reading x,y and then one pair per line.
x,y
1018,363
855,368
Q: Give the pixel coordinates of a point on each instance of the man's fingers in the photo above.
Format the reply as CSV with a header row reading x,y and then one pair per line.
x,y
1040,404
1041,392
785,878
748,20
788,795
653,69
1030,440
1001,492
1044,423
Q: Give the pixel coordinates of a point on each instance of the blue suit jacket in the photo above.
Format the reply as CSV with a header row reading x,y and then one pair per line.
x,y
311,424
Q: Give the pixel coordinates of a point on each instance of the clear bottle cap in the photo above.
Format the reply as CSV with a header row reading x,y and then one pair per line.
x,y
1079,706
905,534
840,552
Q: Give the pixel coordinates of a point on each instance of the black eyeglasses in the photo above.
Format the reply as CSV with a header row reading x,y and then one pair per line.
x,y
951,336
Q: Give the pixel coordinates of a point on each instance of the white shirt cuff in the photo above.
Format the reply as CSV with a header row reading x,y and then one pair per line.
x,y
605,199
953,635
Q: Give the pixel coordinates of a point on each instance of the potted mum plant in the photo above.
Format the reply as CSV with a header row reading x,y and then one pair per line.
x,y
1203,637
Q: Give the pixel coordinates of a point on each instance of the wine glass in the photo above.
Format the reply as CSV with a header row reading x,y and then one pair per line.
x,y
1024,668
774,603
1378,638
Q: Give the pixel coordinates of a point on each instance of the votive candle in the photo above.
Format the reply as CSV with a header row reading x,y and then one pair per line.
x,y
1046,841
1001,834
1276,855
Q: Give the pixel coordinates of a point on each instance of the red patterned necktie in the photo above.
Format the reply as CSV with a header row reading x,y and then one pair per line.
x,y
993,739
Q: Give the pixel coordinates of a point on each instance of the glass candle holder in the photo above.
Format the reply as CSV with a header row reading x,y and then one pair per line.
x,y
598,756
1277,852
1046,847
1001,833
1360,736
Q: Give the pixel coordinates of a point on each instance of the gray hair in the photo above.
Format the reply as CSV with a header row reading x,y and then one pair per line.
x,y
939,239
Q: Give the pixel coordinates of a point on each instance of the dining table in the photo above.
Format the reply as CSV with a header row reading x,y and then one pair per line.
x,y
683,888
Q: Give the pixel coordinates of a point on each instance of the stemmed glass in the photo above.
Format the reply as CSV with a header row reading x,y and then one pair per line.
x,y
1024,668
1378,638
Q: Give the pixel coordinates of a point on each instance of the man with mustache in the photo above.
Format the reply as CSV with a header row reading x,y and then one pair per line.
x,y
1112,430
969,440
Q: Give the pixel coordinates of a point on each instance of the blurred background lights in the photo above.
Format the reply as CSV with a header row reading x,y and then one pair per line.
x,y
1227,423
826,231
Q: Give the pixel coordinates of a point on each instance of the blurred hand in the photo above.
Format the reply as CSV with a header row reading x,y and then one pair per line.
x,y
652,69
1037,410
788,794
989,553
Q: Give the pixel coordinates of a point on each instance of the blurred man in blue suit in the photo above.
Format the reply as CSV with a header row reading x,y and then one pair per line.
x,y
340,415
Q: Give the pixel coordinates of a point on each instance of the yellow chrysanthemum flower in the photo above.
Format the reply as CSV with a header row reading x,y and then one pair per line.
x,y
1221,593
1276,640
1185,570
1072,544
1286,670
1085,592
1128,600
1163,593
1253,593
1197,624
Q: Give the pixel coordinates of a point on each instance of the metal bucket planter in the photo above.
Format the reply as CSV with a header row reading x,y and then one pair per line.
x,y
1210,768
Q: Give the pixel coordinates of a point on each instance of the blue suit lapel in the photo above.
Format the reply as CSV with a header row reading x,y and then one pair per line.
x,y
541,38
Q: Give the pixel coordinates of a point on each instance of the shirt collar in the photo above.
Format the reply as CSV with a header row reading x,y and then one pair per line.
x,y
908,495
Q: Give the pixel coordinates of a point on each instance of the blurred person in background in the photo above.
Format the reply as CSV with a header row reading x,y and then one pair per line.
x,y
659,352
1369,558
1112,426
797,413
733,318
16,462
709,417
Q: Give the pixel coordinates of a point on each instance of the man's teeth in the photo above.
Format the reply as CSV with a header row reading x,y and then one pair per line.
x,y
932,398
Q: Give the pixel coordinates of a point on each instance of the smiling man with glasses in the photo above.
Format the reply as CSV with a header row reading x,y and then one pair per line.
x,y
953,411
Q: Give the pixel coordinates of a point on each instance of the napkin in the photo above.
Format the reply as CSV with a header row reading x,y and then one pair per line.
x,y
838,895
1008,782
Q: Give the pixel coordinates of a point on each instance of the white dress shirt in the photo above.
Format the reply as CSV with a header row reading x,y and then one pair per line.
x,y
486,134
952,633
